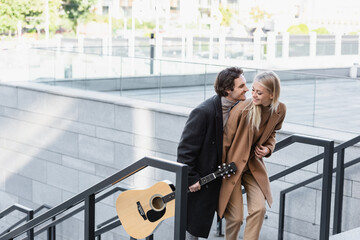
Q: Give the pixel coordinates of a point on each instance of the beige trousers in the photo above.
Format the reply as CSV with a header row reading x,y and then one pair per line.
x,y
234,213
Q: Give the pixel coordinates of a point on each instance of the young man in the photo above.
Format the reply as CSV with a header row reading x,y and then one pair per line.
x,y
200,148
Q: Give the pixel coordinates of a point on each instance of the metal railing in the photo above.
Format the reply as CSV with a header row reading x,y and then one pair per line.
x,y
339,184
327,178
26,210
88,198
51,235
326,182
114,222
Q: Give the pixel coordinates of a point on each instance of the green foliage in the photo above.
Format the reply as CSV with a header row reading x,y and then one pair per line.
x,y
31,14
77,10
55,18
321,30
226,16
298,29
258,14
11,11
143,25
354,33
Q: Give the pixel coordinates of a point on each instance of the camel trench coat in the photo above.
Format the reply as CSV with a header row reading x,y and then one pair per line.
x,y
237,147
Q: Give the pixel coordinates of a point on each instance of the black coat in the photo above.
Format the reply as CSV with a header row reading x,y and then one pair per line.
x,y
200,148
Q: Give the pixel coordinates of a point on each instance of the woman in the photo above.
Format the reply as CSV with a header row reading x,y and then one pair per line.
x,y
248,137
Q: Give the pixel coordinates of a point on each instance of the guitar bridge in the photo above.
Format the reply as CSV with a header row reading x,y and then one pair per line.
x,y
141,210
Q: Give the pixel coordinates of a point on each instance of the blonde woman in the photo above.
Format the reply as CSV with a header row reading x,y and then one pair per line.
x,y
248,137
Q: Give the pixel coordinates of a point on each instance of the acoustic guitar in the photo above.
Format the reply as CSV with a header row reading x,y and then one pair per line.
x,y
141,211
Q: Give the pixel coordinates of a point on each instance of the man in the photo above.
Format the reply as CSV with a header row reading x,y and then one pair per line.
x,y
200,148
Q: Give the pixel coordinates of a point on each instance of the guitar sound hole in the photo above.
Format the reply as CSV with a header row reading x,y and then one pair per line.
x,y
157,203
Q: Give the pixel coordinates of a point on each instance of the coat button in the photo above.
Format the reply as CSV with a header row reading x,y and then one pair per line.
x,y
213,142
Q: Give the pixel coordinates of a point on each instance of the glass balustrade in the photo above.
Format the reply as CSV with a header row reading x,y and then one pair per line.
x,y
315,100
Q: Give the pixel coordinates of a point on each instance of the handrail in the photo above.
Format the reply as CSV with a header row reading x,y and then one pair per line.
x,y
339,183
326,183
287,141
88,197
44,206
77,210
201,62
111,224
306,182
29,212
325,206
15,207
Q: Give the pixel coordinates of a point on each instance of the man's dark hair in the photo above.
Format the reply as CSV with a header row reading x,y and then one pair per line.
x,y
225,80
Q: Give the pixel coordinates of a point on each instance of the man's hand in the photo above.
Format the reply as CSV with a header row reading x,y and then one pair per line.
x,y
195,187
261,151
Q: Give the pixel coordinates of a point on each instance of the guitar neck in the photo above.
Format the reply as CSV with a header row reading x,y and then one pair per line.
x,y
168,197
207,179
203,181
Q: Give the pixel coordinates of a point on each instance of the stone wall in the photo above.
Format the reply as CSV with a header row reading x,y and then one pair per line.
x,y
56,142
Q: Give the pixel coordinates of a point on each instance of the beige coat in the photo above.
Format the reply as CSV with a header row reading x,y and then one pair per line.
x,y
237,147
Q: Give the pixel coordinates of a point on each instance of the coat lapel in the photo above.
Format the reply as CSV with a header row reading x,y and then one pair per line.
x,y
274,118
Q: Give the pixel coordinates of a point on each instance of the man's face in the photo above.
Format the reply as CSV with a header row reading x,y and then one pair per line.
x,y
239,91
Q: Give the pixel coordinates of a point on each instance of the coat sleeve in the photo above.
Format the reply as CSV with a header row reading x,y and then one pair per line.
x,y
191,143
270,143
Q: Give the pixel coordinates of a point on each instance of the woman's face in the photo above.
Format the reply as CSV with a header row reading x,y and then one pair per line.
x,y
261,95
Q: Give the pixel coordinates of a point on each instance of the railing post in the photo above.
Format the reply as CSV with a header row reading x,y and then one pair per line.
x,y
281,216
338,41
151,237
219,227
257,45
313,39
89,217
152,52
30,233
181,203
189,45
326,191
339,191
51,232
271,45
285,45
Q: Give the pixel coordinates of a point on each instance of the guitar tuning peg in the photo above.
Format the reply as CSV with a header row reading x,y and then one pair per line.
x,y
229,175
223,177
219,166
224,164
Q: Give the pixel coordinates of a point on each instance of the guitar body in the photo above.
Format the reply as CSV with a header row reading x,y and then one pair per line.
x,y
141,211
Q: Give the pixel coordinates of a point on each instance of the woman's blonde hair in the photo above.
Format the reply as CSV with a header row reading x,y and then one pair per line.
x,y
271,82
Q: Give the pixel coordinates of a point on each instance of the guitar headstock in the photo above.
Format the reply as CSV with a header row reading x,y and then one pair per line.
x,y
225,170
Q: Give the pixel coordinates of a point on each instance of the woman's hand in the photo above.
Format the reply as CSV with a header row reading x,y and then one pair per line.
x,y
261,151
195,187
